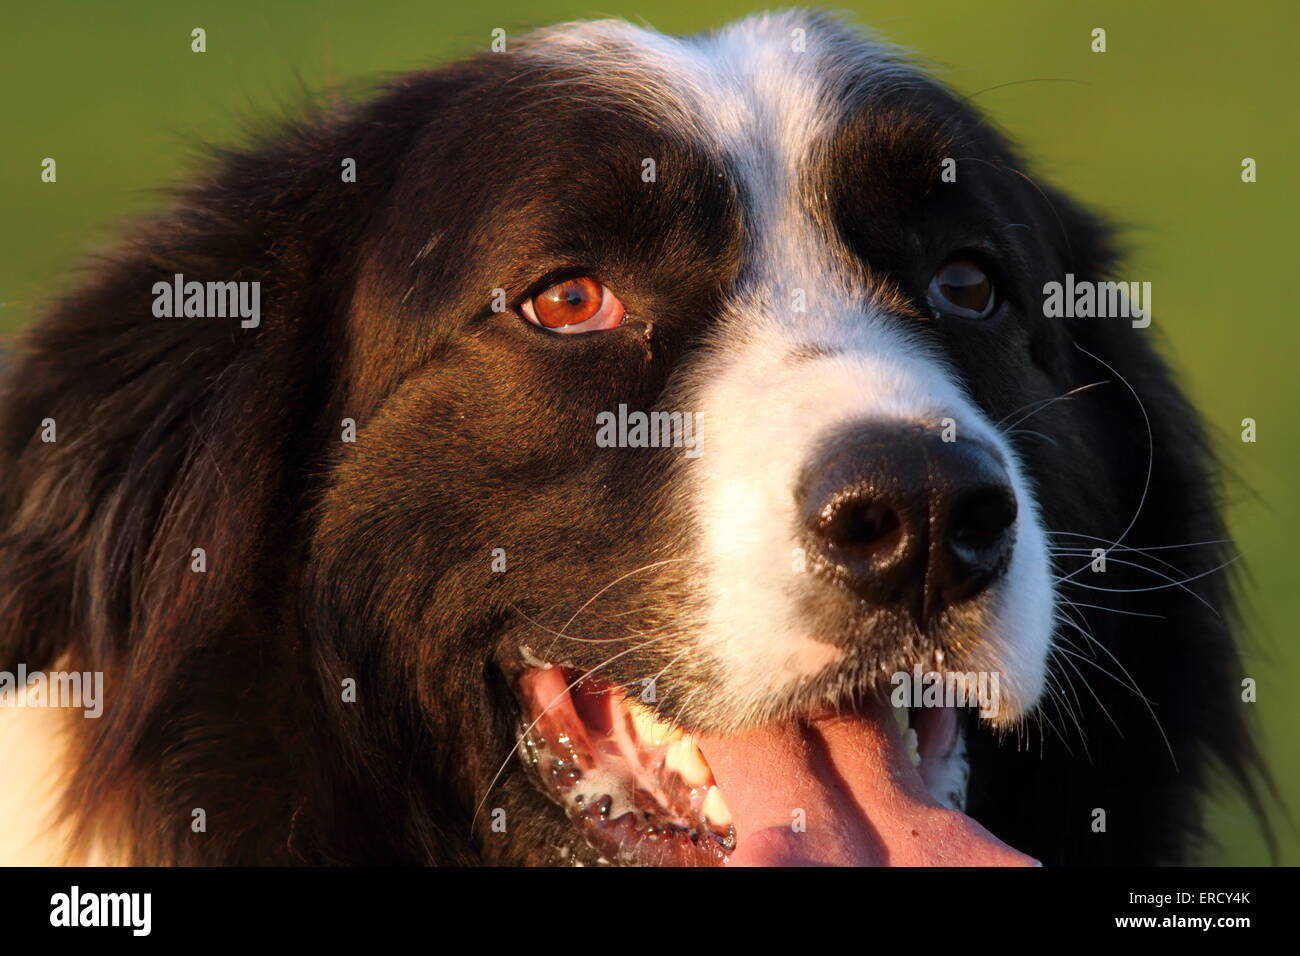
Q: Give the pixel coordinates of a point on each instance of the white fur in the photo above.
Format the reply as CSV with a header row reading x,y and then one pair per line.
x,y
769,110
33,745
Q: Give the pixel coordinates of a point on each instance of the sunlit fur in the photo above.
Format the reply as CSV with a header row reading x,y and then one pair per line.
x,y
371,561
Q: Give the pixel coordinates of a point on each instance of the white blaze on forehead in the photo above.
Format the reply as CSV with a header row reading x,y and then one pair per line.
x,y
802,350
764,92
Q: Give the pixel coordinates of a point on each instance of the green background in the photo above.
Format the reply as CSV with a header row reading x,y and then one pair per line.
x,y
1152,132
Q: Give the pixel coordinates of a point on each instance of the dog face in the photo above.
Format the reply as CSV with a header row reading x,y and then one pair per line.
x,y
687,379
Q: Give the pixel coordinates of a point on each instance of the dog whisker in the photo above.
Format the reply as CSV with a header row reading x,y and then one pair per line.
x,y
1153,547
1115,610
618,580
1146,701
1043,403
1172,583
1066,654
1033,434
1060,692
1151,447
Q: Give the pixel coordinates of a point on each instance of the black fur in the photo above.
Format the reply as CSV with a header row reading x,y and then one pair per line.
x,y
370,561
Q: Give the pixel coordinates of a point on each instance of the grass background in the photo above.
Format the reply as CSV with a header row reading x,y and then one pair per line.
x,y
1152,132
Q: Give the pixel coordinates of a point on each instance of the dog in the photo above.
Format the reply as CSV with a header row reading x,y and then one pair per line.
x,y
618,449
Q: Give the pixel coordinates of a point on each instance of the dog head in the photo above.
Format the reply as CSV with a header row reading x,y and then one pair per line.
x,y
626,418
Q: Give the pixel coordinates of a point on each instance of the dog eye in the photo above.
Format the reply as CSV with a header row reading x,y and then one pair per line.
x,y
961,288
575,305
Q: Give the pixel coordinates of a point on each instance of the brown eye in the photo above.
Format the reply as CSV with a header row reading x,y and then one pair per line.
x,y
575,305
961,288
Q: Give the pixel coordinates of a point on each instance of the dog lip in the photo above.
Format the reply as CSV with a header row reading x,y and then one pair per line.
x,y
636,788
643,791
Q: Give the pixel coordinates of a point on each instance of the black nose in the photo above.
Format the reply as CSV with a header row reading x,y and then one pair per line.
x,y
902,518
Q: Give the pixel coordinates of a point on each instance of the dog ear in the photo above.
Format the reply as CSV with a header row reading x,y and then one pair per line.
x,y
130,439
1148,654
145,459
155,469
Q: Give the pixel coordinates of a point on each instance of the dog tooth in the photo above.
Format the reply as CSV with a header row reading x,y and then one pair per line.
x,y
911,742
669,734
685,758
650,728
901,717
715,808
642,721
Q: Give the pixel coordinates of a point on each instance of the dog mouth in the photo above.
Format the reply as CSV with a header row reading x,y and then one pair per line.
x,y
637,788
870,785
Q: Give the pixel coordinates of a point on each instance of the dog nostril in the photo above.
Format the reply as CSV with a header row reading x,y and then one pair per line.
x,y
904,521
862,528
977,531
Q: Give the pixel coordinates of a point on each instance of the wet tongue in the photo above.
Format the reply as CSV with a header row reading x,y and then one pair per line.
x,y
863,802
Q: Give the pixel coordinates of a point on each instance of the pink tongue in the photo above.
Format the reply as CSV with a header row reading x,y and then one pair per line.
x,y
862,801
